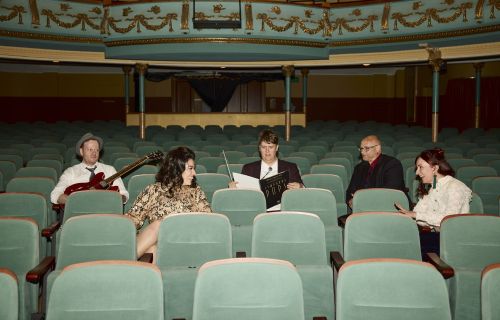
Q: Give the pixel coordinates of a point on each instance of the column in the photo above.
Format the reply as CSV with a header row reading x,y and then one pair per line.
x,y
287,72
477,111
126,74
305,73
436,62
141,70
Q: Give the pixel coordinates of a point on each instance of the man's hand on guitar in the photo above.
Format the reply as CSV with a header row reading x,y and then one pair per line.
x,y
62,198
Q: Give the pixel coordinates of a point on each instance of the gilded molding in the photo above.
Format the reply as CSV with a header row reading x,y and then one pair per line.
x,y
140,20
417,37
141,68
384,24
35,17
429,15
479,9
104,22
344,23
249,16
185,15
494,4
41,36
279,42
16,11
288,70
295,22
80,19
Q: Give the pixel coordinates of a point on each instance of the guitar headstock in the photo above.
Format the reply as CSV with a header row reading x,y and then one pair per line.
x,y
157,155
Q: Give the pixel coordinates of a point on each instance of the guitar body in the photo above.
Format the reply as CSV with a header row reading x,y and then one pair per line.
x,y
97,183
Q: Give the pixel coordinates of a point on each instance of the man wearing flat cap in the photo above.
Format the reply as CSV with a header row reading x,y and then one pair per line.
x,y
88,147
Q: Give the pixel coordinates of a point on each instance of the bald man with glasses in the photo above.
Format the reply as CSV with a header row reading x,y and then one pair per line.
x,y
377,170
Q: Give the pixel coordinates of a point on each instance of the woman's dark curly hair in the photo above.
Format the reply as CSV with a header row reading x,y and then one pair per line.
x,y
434,157
172,167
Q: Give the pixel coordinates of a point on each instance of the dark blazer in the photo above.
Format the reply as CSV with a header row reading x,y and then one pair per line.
x,y
253,170
388,173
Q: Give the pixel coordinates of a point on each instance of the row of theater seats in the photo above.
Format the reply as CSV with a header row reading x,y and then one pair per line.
x,y
387,289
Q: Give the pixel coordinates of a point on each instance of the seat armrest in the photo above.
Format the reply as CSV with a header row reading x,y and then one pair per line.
x,y
241,254
50,230
445,269
336,260
147,257
36,274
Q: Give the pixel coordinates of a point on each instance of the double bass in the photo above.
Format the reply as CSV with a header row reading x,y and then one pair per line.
x,y
99,182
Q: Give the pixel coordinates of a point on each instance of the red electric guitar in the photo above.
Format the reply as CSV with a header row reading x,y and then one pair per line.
x,y
99,183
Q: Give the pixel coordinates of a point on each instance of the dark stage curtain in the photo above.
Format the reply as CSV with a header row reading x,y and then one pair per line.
x,y
215,89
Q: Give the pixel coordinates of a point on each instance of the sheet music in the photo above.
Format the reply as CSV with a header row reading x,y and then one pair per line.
x,y
246,182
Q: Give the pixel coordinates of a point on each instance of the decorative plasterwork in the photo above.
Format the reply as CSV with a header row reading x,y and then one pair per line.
x,y
265,23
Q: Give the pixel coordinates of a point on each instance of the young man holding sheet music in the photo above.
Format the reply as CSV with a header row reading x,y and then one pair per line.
x,y
270,165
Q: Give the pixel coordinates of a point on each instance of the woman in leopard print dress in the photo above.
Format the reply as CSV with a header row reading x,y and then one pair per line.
x,y
174,191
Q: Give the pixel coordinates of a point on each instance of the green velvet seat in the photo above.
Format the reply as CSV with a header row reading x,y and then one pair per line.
x,y
144,169
391,289
303,163
490,292
335,169
381,235
330,182
233,167
248,289
320,202
468,243
185,242
378,199
19,252
298,237
9,291
211,182
92,201
488,188
241,206
467,173
211,163
8,170
94,237
44,172
136,185
111,290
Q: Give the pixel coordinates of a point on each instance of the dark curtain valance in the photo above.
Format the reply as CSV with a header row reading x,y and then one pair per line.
x,y
215,89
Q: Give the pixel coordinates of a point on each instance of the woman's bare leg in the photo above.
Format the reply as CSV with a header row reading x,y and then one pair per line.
x,y
146,240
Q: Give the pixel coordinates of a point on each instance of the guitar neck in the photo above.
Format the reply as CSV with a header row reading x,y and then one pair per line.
x,y
126,170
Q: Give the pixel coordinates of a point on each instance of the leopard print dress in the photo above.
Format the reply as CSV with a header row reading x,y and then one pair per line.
x,y
153,203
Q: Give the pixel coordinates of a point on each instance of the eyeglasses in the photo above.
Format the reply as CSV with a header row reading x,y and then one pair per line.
x,y
366,149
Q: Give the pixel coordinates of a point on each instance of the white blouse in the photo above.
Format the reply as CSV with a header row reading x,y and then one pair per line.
x,y
451,196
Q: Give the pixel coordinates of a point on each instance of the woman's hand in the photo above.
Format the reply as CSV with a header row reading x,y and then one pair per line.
x,y
233,184
294,185
404,211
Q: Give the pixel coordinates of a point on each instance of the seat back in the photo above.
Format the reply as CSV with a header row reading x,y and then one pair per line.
x,y
8,170
303,163
191,239
92,201
114,290
44,172
390,289
211,182
378,199
248,289
210,163
335,169
470,240
144,169
239,205
314,200
381,235
96,237
51,163
19,252
9,304
297,237
136,185
488,188
490,292
468,173
327,181
40,185
476,204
